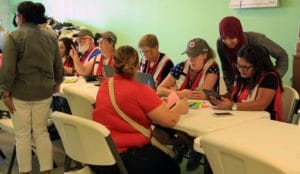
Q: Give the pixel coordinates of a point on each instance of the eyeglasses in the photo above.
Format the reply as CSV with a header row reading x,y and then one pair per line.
x,y
82,38
243,67
145,51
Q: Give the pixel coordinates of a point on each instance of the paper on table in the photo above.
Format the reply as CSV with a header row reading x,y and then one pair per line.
x,y
70,79
196,104
172,99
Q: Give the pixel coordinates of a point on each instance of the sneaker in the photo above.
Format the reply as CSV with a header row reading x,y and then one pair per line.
x,y
193,161
180,150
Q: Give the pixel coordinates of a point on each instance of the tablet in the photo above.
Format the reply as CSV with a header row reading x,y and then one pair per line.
x,y
222,114
212,93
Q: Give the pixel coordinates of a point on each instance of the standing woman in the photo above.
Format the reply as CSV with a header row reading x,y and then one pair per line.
x,y
32,71
232,38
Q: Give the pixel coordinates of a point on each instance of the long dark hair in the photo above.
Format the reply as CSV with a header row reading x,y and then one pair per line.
x,y
259,57
32,12
67,42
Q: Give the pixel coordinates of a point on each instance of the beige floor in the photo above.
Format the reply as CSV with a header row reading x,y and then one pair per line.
x,y
7,141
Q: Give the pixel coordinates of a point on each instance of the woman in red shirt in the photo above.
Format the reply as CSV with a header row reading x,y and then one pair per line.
x,y
141,104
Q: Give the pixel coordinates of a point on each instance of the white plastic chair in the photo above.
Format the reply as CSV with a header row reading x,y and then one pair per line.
x,y
257,147
290,97
87,142
80,104
298,116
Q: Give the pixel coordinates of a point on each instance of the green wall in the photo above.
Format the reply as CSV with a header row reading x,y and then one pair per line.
x,y
175,22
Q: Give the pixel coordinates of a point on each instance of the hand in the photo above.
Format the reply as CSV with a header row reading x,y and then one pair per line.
x,y
57,88
223,104
73,53
9,104
185,93
197,95
101,78
164,99
183,106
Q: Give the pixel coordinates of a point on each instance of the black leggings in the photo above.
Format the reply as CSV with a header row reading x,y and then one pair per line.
x,y
145,160
149,160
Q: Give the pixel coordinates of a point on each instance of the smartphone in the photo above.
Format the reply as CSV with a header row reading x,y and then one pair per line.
x,y
222,114
90,78
212,93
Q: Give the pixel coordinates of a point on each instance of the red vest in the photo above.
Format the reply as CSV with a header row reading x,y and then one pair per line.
x,y
244,94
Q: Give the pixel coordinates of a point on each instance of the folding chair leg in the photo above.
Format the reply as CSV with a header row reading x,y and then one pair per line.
x,y
207,168
54,164
12,160
68,162
2,154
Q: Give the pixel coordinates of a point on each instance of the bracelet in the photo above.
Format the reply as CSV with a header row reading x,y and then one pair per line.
x,y
5,95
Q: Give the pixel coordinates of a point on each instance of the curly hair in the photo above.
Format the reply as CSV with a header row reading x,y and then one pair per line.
x,y
32,12
259,58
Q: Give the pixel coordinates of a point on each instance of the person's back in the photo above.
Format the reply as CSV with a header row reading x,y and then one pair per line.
x,y
131,101
31,72
36,51
140,104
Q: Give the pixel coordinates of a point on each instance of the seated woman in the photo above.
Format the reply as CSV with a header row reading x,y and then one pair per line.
x,y
257,86
64,50
199,71
189,78
138,154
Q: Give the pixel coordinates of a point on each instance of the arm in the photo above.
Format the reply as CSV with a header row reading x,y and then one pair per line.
x,y
81,69
9,64
8,72
266,92
210,81
264,99
168,118
68,70
226,66
167,86
58,68
276,51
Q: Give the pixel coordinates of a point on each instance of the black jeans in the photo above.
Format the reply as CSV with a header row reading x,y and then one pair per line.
x,y
149,160
144,160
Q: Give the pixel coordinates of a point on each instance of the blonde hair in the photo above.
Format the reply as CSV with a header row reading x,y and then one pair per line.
x,y
148,40
125,61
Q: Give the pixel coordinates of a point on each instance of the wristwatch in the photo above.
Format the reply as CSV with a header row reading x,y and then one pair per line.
x,y
234,107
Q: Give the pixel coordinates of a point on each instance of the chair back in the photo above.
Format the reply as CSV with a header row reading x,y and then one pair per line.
x,y
80,104
258,147
86,141
3,110
290,97
224,160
